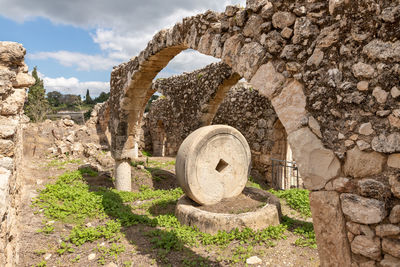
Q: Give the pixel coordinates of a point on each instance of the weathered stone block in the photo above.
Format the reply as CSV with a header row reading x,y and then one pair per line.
x,y
387,230
366,246
329,226
390,261
394,216
267,80
290,106
6,148
373,188
391,246
317,164
363,210
362,164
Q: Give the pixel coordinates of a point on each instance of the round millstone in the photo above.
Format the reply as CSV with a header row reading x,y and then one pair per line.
x,y
213,163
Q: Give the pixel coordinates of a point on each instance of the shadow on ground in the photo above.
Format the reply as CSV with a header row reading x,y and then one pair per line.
x,y
140,229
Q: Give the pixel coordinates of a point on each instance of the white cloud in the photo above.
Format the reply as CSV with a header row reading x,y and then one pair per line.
x,y
186,61
81,61
74,86
122,28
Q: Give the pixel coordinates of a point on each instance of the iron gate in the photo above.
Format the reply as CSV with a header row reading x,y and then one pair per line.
x,y
285,174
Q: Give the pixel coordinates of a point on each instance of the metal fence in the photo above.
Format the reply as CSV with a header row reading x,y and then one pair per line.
x,y
285,174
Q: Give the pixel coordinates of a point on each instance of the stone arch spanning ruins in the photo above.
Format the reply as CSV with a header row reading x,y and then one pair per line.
x,y
332,72
189,98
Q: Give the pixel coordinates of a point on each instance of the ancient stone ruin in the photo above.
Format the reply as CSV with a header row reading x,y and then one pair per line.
x,y
212,164
14,80
331,71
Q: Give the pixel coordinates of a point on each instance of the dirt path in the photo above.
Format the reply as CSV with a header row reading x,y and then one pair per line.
x,y
136,246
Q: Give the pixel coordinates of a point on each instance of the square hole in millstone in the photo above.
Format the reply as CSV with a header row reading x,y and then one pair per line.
x,y
222,164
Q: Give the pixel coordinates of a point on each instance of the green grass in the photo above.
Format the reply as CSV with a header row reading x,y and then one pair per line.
x,y
71,200
297,199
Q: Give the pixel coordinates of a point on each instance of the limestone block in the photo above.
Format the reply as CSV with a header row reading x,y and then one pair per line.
x,y
394,216
367,264
366,246
290,106
8,126
373,188
13,103
6,79
362,145
391,246
231,49
362,86
329,226
267,80
4,177
317,164
255,5
363,210
362,70
213,163
6,148
250,59
7,163
394,160
11,53
353,228
282,19
252,28
340,184
387,230
395,92
366,129
316,58
312,122
380,95
394,120
23,80
394,182
205,44
378,49
386,144
362,164
390,261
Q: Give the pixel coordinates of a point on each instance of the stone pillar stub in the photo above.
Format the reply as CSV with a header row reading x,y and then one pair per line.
x,y
213,163
123,175
330,231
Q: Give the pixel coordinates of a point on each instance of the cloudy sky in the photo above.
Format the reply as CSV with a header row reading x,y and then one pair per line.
x,y
76,43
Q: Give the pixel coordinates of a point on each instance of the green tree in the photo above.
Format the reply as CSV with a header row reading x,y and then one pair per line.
x,y
37,106
102,97
54,98
88,98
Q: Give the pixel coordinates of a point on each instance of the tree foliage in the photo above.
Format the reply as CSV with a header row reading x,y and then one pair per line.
x,y
37,106
88,98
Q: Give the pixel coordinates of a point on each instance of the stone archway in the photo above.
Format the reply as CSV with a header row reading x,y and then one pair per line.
x,y
331,71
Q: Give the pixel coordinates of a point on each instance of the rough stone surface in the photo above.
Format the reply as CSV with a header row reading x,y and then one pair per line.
x,y
374,189
394,161
329,226
391,246
394,216
390,261
387,230
211,222
213,163
317,164
13,76
394,181
366,246
362,164
363,210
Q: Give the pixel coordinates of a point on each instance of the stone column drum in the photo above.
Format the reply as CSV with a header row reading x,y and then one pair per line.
x,y
213,163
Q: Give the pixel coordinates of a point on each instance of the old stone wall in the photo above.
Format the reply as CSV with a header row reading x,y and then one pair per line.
x,y
185,105
14,80
331,71
185,102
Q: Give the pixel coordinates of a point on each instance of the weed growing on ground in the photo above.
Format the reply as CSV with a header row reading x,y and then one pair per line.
x,y
304,229
297,199
70,199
